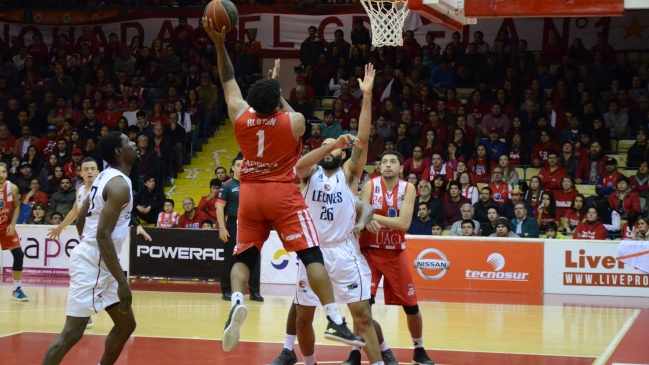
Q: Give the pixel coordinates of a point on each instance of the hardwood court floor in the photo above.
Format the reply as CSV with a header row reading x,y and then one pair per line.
x,y
184,327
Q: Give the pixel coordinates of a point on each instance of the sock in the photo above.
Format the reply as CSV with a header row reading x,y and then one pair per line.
x,y
356,348
384,346
379,363
309,360
237,298
289,341
332,313
17,284
418,342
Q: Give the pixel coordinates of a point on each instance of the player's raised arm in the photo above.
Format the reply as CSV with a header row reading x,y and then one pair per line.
x,y
354,166
306,165
236,103
402,222
297,119
117,195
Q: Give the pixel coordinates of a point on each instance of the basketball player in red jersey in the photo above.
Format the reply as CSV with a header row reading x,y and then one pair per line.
x,y
384,243
269,134
9,239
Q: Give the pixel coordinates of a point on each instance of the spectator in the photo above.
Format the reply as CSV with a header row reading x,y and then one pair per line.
x,y
437,229
34,194
253,49
93,152
182,36
494,145
170,101
176,134
482,206
111,115
534,136
496,120
466,212
547,210
642,231
565,196
208,202
132,111
222,174
489,227
149,201
90,127
168,218
592,166
481,165
552,232
543,148
607,181
62,84
316,136
625,201
148,166
23,143
452,205
616,119
64,198
38,214
170,60
207,225
434,204
144,127
70,168
58,114
516,196
568,158
553,50
500,189
300,80
56,218
62,153
184,118
417,164
192,218
468,228
125,63
441,77
503,229
311,48
423,224
592,228
300,104
526,226
552,174
208,94
7,142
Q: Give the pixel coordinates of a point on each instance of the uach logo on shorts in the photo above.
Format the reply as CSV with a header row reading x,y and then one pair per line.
x,y
281,265
497,261
435,267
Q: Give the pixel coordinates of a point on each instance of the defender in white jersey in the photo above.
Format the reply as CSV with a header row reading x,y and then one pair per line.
x,y
97,281
328,188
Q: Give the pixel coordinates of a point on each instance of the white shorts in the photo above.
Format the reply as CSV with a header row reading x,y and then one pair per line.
x,y
92,287
348,270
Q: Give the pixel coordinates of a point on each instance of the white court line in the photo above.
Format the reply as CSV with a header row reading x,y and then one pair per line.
x,y
601,360
619,363
11,334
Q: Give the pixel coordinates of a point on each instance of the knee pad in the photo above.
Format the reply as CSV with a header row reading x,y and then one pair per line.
x,y
248,257
311,255
410,310
372,299
18,259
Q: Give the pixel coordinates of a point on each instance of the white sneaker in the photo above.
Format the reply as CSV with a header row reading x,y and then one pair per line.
x,y
89,325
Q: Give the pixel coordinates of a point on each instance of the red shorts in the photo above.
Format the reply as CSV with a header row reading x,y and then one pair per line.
x,y
280,205
394,266
7,242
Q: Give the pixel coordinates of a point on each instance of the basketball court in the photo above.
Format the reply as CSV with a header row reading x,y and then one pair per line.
x,y
181,323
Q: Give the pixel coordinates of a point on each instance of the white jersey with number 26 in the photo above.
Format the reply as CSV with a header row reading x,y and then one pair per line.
x,y
331,200
120,233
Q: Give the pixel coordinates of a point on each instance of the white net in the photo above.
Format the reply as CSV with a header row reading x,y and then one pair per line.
x,y
386,18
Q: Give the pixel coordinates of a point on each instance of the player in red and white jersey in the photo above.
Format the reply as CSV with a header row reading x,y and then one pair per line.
x,y
9,239
269,133
384,243
168,218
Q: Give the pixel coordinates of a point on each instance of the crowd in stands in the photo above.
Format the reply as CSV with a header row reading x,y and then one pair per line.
x,y
58,100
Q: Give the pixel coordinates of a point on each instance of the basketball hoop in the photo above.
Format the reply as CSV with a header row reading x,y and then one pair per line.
x,y
386,19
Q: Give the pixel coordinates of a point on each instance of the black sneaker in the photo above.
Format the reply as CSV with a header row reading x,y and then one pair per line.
x,y
226,296
340,332
256,297
354,358
388,357
421,357
230,338
287,357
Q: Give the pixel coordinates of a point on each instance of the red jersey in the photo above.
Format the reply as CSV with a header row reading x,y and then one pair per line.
x,y
196,223
541,152
110,119
208,207
628,232
47,146
430,173
167,220
585,231
168,105
349,104
7,143
500,194
388,204
269,149
573,218
315,145
610,180
479,168
6,212
551,180
564,200
440,129
547,218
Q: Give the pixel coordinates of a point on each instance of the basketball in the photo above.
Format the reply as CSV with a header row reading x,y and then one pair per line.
x,y
223,14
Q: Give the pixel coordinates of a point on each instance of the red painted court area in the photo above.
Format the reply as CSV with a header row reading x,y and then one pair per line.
x,y
28,348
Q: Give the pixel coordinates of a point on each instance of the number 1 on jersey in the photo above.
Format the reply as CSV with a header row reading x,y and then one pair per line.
x,y
260,144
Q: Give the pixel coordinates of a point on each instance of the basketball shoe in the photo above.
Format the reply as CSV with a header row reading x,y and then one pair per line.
x,y
230,338
89,324
340,332
19,296
421,357
388,357
287,357
354,358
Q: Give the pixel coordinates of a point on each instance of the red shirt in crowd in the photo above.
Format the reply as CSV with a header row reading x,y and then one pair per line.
x,y
564,200
110,119
208,207
167,220
478,110
193,223
541,152
500,193
573,218
587,231
7,143
551,180
409,166
479,168
627,234
39,53
547,218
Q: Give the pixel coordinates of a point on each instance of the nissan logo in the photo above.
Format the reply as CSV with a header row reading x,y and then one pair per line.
x,y
441,264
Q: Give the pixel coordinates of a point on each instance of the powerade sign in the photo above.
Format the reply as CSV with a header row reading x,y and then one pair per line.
x,y
178,253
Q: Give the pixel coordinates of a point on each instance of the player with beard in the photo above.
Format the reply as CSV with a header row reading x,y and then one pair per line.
x,y
384,245
97,281
328,187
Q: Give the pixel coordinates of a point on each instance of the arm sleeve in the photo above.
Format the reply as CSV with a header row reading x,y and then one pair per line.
x,y
615,222
159,200
202,204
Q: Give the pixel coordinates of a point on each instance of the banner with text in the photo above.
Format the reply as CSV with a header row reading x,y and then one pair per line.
x,y
480,264
177,253
579,267
45,256
278,266
281,30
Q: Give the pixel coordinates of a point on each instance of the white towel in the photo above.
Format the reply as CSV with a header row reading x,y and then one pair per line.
x,y
634,253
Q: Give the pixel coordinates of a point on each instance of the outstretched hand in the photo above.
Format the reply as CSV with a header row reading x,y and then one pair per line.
x,y
367,83
274,73
345,141
216,36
